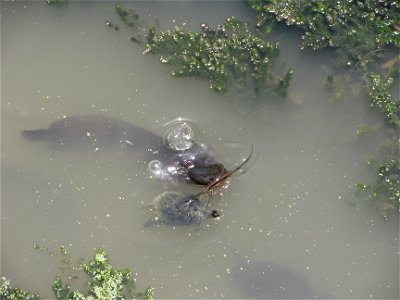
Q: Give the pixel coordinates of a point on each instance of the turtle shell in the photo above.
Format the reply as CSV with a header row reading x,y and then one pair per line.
x,y
176,208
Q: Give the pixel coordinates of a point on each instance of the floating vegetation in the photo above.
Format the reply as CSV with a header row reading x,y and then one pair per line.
x,y
386,188
229,53
358,30
378,92
132,20
105,283
9,293
128,16
361,32
377,88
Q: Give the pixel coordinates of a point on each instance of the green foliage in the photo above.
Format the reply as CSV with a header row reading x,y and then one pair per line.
x,y
132,20
378,92
386,188
283,85
105,283
230,53
128,16
358,30
9,293
377,88
61,291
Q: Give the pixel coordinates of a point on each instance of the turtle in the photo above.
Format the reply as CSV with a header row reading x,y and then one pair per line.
x,y
177,208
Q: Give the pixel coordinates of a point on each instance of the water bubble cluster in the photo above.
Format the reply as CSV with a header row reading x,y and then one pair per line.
x,y
180,138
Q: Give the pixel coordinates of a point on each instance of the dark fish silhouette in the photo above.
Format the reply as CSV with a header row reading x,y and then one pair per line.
x,y
270,280
95,131
193,165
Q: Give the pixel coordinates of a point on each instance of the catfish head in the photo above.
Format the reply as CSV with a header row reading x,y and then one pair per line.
x,y
204,169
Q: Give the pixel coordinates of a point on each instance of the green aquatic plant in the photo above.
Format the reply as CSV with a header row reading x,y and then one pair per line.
x,y
7,292
283,84
128,16
132,20
377,88
229,53
386,188
378,92
105,283
358,30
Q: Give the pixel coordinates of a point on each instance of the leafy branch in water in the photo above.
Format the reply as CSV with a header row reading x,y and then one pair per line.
x,y
358,30
229,52
131,19
378,92
386,188
9,293
105,283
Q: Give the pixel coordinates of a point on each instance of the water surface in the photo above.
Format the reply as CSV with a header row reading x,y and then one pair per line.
x,y
291,211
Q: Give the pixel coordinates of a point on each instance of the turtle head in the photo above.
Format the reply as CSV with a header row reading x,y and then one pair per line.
x,y
214,214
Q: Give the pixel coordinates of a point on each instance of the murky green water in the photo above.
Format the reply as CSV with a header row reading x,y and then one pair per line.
x,y
289,218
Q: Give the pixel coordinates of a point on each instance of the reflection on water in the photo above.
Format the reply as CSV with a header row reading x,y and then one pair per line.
x,y
289,212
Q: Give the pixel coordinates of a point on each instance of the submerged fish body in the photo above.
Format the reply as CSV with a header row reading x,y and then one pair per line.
x,y
192,165
271,280
94,130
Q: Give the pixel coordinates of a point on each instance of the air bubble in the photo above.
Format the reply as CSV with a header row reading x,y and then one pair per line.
x,y
180,138
156,168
